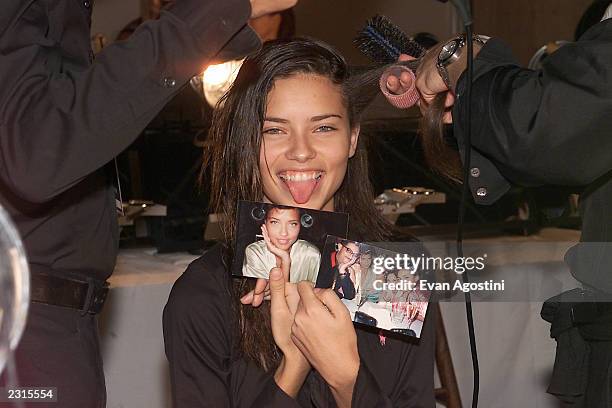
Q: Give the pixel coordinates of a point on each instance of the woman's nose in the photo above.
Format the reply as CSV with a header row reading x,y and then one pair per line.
x,y
301,148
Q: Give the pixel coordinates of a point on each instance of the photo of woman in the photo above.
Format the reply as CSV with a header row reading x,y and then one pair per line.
x,y
280,231
288,133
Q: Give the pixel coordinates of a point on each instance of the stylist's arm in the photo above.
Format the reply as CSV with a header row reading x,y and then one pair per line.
x,y
262,7
324,333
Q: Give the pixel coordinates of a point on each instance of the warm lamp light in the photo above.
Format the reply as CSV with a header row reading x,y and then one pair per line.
x,y
216,80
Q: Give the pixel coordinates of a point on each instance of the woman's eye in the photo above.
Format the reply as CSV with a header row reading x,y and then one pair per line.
x,y
325,128
272,131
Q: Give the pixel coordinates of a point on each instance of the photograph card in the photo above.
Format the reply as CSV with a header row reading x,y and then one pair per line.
x,y
375,291
300,232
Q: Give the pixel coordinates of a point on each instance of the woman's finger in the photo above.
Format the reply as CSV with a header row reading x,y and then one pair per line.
x,y
297,340
307,297
247,299
331,302
292,296
264,233
277,292
260,287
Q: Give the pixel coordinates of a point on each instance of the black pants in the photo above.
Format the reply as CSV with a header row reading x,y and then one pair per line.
x,y
599,384
60,348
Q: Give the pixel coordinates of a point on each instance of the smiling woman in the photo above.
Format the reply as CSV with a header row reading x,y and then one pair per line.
x,y
307,138
288,133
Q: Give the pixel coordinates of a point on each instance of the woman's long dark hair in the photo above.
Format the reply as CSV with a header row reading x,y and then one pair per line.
x,y
440,156
232,164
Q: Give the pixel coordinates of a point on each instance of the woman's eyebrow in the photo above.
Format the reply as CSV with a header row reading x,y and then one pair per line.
x,y
278,120
325,116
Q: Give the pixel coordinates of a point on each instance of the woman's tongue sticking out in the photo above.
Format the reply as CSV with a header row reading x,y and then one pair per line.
x,y
301,185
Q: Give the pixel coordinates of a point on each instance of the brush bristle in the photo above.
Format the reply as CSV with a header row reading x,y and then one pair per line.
x,y
383,41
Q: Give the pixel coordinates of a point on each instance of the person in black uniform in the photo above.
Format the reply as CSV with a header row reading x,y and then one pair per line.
x,y
551,126
290,114
343,273
63,116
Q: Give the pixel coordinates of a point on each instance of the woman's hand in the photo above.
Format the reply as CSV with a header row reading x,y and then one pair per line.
x,y
342,267
294,367
285,260
262,287
324,333
256,296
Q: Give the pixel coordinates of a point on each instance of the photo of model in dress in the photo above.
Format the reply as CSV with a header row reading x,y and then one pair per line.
x,y
268,232
389,299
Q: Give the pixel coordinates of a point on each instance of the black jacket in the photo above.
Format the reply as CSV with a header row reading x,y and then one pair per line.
x,y
64,115
552,126
345,283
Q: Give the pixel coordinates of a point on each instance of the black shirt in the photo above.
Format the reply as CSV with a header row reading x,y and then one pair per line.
x,y
552,126
63,116
206,371
343,282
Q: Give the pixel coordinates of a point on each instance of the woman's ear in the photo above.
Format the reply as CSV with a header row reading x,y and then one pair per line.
x,y
354,139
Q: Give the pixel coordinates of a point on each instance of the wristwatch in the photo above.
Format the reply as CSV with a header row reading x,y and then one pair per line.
x,y
451,52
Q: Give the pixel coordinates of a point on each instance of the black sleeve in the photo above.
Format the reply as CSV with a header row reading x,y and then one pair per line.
x,y
345,283
550,126
199,338
56,127
196,339
348,287
11,10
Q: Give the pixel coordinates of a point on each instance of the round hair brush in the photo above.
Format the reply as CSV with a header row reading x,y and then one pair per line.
x,y
383,42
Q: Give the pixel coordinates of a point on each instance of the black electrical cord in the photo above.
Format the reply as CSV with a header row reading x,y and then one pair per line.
x,y
463,7
462,207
